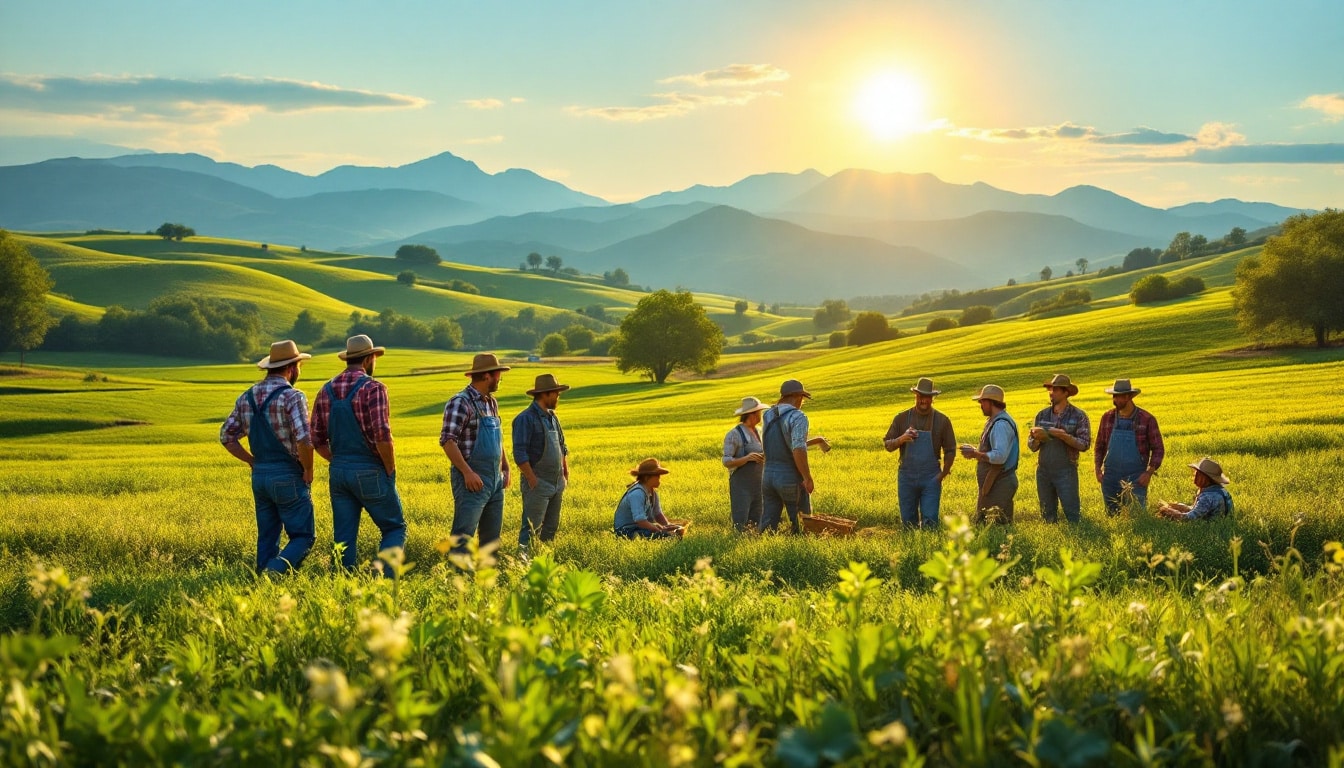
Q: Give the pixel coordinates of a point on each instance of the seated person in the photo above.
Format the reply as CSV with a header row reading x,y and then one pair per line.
x,y
1211,500
639,515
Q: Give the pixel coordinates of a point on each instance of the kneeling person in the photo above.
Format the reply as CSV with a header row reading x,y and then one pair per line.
x,y
1211,499
639,515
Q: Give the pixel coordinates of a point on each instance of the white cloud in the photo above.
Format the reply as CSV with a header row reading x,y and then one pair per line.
x,y
1218,135
1330,104
733,75
483,103
678,103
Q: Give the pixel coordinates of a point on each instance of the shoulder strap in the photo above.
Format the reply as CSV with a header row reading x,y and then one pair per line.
x,y
274,394
741,430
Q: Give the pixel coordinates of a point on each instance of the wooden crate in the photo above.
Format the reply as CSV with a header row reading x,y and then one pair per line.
x,y
828,525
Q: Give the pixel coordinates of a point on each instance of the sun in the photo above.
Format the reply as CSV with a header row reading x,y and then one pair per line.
x,y
891,105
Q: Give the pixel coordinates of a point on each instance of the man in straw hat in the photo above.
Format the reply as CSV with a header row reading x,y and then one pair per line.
x,y
352,430
540,452
639,515
787,483
744,457
274,417
1211,497
473,440
997,454
921,434
1129,449
1060,432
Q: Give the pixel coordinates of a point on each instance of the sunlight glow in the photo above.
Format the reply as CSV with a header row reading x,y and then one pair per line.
x,y
891,105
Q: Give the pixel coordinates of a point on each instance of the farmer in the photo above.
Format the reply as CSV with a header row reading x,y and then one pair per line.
x,y
1211,498
352,430
921,434
639,515
1129,449
744,456
1060,432
542,457
787,483
274,417
472,439
998,455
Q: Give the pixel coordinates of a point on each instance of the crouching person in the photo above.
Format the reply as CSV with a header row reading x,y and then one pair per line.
x,y
1211,498
639,515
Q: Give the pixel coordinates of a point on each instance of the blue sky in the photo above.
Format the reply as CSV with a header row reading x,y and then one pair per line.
x,y
1163,102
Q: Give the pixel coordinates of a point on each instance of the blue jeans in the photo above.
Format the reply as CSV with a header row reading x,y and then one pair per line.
x,y
354,489
476,513
635,532
1056,487
283,501
780,491
920,495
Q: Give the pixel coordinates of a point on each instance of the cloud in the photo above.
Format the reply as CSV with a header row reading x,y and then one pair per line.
x,y
733,75
1292,154
1142,136
483,103
1331,104
1071,132
230,98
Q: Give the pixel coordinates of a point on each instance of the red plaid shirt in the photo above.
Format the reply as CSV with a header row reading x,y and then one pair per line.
x,y
1146,434
287,414
371,409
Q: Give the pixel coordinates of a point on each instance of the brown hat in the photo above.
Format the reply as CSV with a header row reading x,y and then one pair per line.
x,y
485,363
925,387
1212,469
546,383
282,353
991,392
1060,380
750,405
649,467
360,346
1122,387
793,387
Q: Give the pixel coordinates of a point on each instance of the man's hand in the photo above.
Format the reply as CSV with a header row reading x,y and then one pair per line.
x,y
1100,472
473,481
1144,479
1058,434
307,477
756,456
1038,434
530,479
808,485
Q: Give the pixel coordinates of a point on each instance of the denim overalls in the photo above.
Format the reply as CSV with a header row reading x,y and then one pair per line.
x,y
917,485
541,505
782,487
282,499
1057,479
359,481
480,512
1122,464
744,483
1005,486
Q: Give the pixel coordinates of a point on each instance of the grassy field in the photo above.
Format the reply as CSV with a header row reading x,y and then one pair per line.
x,y
136,632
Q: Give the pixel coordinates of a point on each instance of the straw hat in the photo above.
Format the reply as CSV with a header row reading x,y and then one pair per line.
x,y
925,387
793,387
360,346
546,383
1122,387
991,392
1060,380
1212,469
282,353
485,363
649,467
750,405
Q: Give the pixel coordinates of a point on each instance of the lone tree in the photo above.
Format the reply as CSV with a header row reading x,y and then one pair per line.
x,y
740,307
1046,273
534,260
666,332
418,254
1082,266
1297,280
554,263
870,327
24,319
170,231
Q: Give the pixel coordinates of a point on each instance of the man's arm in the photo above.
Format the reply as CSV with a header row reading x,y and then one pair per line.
x,y
236,448
949,441
306,461
388,456
454,454
800,461
521,441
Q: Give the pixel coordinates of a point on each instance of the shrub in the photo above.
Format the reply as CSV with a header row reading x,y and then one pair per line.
x,y
975,315
869,328
406,277
554,345
578,336
462,286
418,254
1159,288
1072,297
940,324
838,339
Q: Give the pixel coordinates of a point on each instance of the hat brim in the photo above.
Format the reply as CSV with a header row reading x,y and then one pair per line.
x,y
1072,388
375,351
491,369
268,364
759,407
557,388
658,471
934,393
1220,479
802,392
1111,391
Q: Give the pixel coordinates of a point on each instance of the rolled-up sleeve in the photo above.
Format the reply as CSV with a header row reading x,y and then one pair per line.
x,y
235,426
454,420
297,407
798,426
732,443
1000,442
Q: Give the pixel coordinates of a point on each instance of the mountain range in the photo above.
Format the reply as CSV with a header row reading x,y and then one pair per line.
x,y
774,236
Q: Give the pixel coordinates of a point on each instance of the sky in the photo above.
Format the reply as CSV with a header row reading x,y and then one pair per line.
x,y
1163,102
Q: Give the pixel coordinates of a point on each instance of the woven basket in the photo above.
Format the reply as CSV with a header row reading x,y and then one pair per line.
x,y
828,525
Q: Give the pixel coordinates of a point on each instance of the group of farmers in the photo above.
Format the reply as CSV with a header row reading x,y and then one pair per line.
x,y
766,454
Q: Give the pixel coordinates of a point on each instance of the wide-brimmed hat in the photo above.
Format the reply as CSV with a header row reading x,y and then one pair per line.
x,y
649,466
1212,469
546,383
793,387
485,363
282,353
925,387
991,392
750,405
1060,380
1122,387
360,345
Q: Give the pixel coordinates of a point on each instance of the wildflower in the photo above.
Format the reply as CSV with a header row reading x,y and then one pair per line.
x,y
1232,715
1137,608
327,684
783,632
284,607
683,698
893,734
387,639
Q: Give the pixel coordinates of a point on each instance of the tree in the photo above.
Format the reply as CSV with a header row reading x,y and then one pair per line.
x,y
740,307
1149,289
1197,244
1082,266
554,345
833,313
870,327
170,231
578,336
1178,249
534,260
666,332
940,324
308,329
406,277
761,307
837,339
554,263
976,315
418,254
1011,282
24,319
1046,273
1296,282
616,276
1141,258
1236,237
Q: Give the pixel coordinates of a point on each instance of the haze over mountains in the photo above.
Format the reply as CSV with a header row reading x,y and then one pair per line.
x,y
773,237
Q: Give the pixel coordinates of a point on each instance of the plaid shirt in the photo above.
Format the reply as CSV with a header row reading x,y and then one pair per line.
x,y
287,414
1073,420
460,424
372,412
1146,435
